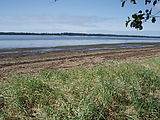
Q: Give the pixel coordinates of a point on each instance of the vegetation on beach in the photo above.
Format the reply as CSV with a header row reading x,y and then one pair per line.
x,y
116,90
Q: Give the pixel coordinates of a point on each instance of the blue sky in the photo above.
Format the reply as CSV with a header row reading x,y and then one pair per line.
x,y
88,16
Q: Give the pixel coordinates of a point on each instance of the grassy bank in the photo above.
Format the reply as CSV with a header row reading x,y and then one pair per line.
x,y
114,91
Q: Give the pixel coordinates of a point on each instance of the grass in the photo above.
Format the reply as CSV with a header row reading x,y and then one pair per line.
x,y
119,91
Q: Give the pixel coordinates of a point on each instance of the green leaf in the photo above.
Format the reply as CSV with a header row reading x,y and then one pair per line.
x,y
153,20
155,2
147,2
140,27
133,1
134,16
147,10
123,3
140,11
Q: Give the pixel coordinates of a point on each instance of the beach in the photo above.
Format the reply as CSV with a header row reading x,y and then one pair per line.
x,y
70,59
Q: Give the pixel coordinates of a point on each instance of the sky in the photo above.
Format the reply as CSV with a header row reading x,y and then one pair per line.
x,y
87,16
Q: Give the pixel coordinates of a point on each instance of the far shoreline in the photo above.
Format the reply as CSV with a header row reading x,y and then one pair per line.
x,y
77,34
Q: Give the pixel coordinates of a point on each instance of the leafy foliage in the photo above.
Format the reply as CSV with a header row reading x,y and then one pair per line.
x,y
137,19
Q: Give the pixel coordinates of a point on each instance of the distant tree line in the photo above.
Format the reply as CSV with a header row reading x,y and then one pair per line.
x,y
75,34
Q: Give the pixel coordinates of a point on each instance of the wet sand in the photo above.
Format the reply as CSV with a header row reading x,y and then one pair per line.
x,y
24,64
33,51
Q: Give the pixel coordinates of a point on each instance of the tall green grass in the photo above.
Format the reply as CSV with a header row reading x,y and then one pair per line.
x,y
126,91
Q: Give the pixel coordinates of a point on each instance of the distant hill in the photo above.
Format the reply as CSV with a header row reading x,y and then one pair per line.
x,y
75,34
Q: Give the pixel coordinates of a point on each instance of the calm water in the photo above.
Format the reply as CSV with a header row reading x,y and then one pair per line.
x,y
36,41
29,41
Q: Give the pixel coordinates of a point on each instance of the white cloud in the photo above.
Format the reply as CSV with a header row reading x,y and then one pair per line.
x,y
53,23
66,23
55,19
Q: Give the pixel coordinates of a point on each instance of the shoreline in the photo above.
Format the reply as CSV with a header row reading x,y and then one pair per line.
x,y
65,60
77,34
16,52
